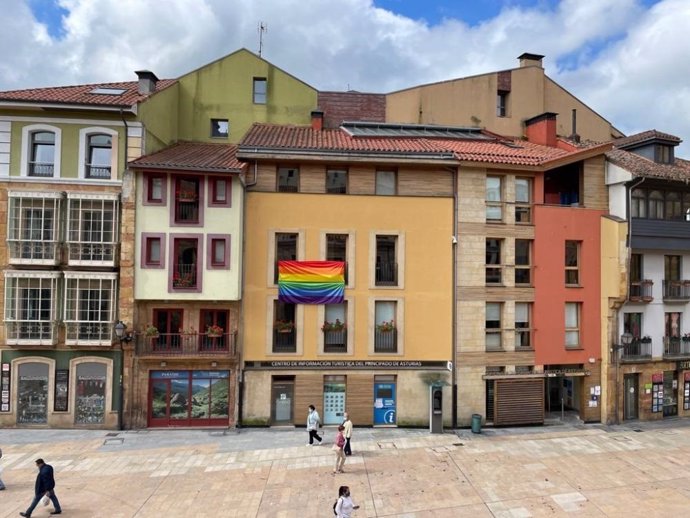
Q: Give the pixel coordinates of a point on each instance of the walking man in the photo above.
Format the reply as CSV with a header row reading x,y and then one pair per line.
x,y
313,422
348,433
45,485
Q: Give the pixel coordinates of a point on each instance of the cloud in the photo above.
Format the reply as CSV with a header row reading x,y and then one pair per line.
x,y
623,59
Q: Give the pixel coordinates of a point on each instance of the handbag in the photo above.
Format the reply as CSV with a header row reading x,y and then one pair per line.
x,y
45,500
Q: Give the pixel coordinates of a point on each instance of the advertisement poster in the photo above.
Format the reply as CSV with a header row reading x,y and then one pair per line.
x,y
61,389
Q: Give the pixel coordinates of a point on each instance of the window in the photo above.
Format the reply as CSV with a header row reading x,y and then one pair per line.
x,y
154,189
635,267
286,249
334,328
523,261
92,229
673,286
572,263
664,154
33,228
187,205
336,249
386,182
523,331
260,90
494,268
288,179
672,325
218,340
42,159
89,308
90,399
632,323
656,205
494,334
284,335
502,103
336,181
385,334
169,324
152,250
31,307
673,206
523,200
218,255
98,161
638,203
186,272
386,261
220,128
572,324
219,195
494,206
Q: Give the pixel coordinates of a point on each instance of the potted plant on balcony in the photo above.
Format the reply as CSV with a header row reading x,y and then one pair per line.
x,y
186,196
284,326
386,326
686,338
333,326
646,339
185,280
214,331
151,331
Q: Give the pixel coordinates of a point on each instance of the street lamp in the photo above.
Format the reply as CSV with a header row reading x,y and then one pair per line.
x,y
626,340
122,336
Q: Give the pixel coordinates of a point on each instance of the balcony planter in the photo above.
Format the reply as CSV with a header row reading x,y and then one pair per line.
x,y
151,332
646,340
186,196
333,326
686,338
386,327
284,326
214,331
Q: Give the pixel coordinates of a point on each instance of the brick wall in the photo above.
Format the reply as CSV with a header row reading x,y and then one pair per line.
x,y
351,106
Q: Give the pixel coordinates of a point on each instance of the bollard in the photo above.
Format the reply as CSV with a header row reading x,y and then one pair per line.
x,y
476,423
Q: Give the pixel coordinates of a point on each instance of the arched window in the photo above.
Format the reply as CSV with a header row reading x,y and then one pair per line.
x,y
42,158
99,156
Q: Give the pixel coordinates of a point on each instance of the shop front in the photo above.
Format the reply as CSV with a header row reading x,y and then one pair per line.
x,y
59,389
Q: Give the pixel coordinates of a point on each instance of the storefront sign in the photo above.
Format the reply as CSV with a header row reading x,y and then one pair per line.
x,y
5,388
356,364
551,373
61,389
658,378
685,365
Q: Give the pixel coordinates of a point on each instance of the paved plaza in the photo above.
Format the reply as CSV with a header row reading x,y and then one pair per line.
x,y
636,470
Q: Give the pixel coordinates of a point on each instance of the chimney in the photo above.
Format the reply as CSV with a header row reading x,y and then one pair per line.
x,y
574,136
542,129
317,120
530,60
147,81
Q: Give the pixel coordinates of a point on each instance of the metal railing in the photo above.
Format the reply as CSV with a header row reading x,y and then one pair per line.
x,y
386,274
676,346
638,349
42,169
81,253
187,211
676,290
284,341
335,341
386,341
30,332
641,291
187,344
24,251
98,172
89,333
184,276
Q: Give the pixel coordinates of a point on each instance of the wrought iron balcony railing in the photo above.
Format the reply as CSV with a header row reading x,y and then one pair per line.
x,y
676,347
641,291
89,333
31,332
638,349
386,341
284,341
386,274
187,344
335,341
677,290
184,276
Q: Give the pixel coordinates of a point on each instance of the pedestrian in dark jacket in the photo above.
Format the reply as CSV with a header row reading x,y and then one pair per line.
x,y
45,486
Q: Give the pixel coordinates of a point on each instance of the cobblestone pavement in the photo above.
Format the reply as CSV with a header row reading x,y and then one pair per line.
x,y
641,470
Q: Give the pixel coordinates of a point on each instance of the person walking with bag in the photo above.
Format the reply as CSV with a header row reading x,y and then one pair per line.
x,y
45,486
313,422
338,448
348,433
344,506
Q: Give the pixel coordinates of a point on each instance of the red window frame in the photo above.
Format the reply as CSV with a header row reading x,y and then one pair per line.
x,y
211,263
213,200
146,239
148,189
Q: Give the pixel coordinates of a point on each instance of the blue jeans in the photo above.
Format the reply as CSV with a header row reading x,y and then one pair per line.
x,y
37,499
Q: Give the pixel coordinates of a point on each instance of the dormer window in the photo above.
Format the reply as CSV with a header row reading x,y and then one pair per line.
x,y
99,156
663,154
42,161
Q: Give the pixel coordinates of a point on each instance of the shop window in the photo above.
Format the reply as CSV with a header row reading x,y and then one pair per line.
x,y
260,90
572,325
92,230
155,192
523,261
152,250
336,181
288,179
494,269
386,261
494,198
572,263
220,192
523,200
285,249
386,327
334,391
89,400
493,326
89,308
218,255
32,393
386,183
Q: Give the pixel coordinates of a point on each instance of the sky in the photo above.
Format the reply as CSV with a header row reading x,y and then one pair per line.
x,y
629,60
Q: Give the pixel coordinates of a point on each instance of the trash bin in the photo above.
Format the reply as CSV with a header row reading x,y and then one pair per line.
x,y
476,423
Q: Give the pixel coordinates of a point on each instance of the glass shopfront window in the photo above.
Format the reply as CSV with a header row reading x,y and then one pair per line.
x,y
32,404
90,393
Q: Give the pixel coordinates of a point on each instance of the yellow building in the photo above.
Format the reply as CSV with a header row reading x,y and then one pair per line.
x,y
316,195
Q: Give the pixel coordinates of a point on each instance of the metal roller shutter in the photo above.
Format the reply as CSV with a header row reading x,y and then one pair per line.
x,y
519,402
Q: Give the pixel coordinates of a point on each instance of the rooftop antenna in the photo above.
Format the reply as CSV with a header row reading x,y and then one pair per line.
x,y
262,28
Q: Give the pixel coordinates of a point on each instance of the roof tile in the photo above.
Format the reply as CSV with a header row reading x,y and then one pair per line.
x,y
193,156
643,167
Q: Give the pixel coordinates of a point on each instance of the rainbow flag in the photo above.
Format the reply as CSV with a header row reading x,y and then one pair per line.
x,y
311,282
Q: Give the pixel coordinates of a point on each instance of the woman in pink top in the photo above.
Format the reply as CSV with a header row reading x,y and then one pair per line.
x,y
339,453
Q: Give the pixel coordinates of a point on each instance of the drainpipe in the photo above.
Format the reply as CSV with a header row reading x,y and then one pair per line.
x,y
454,326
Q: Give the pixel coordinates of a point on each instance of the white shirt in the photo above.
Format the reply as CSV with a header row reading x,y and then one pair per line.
x,y
344,507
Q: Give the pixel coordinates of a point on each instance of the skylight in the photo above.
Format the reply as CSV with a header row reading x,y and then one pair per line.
x,y
108,91
369,129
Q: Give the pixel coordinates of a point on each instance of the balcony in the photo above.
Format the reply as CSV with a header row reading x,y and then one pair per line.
x,y
98,172
386,341
31,333
187,344
46,253
637,350
41,169
641,291
89,333
386,274
677,290
335,341
186,211
184,276
284,340
92,254
676,347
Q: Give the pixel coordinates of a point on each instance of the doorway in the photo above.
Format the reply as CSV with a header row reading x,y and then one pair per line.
x,y
384,400
282,399
631,397
670,393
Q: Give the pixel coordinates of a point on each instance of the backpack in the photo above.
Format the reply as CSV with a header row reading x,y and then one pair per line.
x,y
335,504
